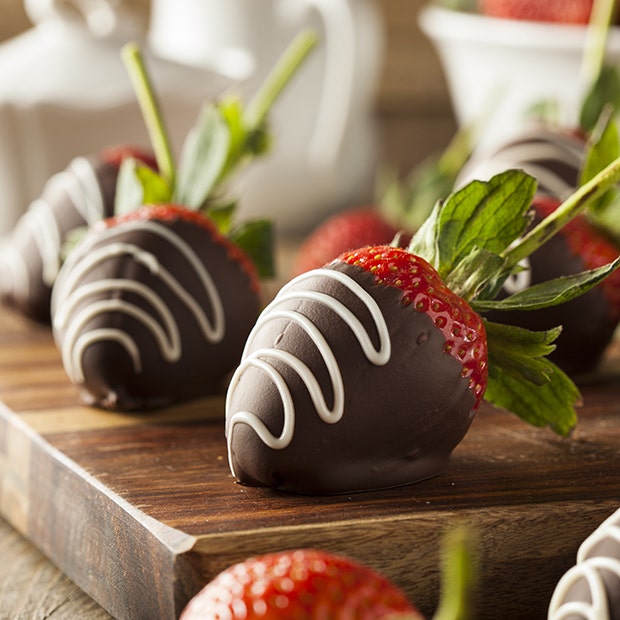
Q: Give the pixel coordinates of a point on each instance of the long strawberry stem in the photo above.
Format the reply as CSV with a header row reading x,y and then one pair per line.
x,y
153,118
279,77
459,576
596,40
572,206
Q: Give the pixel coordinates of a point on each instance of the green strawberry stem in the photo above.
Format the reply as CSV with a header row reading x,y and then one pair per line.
x,y
573,205
458,576
596,40
279,77
151,112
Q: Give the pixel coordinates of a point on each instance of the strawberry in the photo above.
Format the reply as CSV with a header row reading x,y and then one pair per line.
x,y
78,196
560,11
313,583
303,583
367,373
153,305
344,231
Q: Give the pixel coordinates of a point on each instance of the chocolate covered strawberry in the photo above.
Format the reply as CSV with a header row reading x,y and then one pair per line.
x,y
314,584
367,373
80,195
153,306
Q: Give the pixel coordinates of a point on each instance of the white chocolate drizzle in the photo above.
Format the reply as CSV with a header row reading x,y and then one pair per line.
x,y
69,295
588,568
80,183
260,359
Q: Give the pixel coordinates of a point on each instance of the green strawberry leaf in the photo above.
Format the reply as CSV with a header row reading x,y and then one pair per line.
x,y
221,214
203,158
552,404
476,215
603,148
225,136
604,91
517,355
549,293
473,272
520,352
137,185
255,238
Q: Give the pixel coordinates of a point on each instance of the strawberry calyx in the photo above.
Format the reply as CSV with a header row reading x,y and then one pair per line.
x,y
476,239
226,136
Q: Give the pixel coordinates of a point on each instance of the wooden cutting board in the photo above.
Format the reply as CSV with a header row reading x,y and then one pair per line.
x,y
141,510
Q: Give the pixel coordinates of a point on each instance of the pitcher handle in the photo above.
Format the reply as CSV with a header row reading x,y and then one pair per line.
x,y
100,16
338,83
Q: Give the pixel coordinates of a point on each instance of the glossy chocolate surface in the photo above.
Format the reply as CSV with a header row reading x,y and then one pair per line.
x,y
401,416
80,195
147,314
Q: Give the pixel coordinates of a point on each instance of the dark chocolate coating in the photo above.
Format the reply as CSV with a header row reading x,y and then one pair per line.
x,y
79,196
110,378
588,324
401,420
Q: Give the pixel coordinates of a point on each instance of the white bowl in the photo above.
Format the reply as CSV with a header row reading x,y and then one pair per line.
x,y
497,69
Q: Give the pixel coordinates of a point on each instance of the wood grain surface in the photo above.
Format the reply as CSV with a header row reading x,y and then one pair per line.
x,y
139,510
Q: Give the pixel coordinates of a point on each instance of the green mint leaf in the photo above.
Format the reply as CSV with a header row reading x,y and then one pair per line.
x,y
516,356
203,158
490,215
137,185
549,293
256,240
604,91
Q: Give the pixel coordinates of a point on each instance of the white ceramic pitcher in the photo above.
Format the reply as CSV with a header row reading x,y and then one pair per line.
x,y
325,147
64,92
